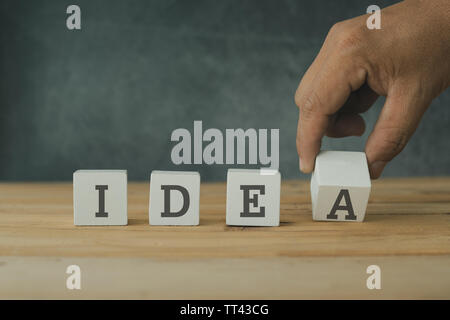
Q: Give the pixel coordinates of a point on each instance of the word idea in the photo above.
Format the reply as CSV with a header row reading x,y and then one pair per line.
x,y
340,189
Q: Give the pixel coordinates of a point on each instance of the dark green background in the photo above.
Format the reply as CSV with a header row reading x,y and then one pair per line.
x,y
110,95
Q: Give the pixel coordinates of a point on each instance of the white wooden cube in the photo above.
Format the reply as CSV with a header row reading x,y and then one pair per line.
x,y
253,197
340,186
174,198
100,198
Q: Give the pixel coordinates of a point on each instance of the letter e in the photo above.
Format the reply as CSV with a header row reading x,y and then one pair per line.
x,y
252,200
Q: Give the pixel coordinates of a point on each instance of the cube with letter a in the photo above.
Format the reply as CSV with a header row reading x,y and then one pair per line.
x,y
340,186
253,197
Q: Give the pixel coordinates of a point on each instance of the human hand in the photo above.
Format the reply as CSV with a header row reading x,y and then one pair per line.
x,y
407,60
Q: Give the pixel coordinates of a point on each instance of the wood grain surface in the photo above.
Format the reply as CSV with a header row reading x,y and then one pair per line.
x,y
407,229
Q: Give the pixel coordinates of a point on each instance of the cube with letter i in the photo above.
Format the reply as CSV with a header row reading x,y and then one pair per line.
x,y
340,186
174,198
253,197
100,197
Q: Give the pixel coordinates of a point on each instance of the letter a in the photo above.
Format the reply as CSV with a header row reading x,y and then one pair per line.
x,y
374,281
74,20
348,206
181,153
374,20
74,280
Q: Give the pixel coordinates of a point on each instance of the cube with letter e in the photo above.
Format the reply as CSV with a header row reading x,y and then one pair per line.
x,y
253,197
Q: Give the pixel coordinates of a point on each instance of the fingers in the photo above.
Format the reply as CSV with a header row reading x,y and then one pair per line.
x,y
345,125
360,100
310,131
314,68
397,122
327,92
347,122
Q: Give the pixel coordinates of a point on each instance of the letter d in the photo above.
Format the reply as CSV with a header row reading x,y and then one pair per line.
x,y
167,213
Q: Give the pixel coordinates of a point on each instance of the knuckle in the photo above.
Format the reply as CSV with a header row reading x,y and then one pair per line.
x,y
346,36
349,40
336,29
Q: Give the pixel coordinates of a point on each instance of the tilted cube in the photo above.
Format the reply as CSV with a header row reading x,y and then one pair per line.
x,y
174,198
253,197
100,197
340,186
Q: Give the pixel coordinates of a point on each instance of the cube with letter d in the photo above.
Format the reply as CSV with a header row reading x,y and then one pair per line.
x,y
253,197
174,198
340,186
100,197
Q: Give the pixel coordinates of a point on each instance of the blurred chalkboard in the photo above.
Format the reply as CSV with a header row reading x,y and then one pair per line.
x,y
110,94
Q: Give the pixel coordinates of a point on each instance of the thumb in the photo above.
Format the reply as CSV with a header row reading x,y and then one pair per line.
x,y
396,124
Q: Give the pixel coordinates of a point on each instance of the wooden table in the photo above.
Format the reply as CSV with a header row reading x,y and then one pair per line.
x,y
406,233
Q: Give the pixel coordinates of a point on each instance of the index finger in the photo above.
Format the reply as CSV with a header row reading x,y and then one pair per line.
x,y
328,91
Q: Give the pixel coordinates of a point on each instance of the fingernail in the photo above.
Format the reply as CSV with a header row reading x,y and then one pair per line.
x,y
376,169
303,166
